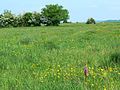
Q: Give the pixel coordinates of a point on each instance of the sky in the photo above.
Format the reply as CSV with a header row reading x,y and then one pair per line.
x,y
79,10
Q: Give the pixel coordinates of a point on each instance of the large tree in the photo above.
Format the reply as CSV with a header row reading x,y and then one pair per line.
x,y
54,14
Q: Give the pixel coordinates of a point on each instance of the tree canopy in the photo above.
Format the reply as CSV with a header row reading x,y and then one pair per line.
x,y
54,14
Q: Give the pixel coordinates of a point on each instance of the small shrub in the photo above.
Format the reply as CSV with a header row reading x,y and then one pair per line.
x,y
50,46
25,41
115,58
90,21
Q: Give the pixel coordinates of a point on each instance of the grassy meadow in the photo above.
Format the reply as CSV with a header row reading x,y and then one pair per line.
x,y
53,58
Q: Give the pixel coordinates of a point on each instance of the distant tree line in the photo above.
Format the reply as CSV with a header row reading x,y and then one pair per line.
x,y
50,15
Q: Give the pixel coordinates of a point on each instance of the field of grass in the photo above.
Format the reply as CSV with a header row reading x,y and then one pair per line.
x,y
53,58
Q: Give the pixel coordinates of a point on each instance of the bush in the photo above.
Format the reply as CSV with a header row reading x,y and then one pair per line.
x,y
90,21
7,19
115,58
27,19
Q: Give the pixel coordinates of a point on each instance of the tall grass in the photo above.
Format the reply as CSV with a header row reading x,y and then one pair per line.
x,y
53,58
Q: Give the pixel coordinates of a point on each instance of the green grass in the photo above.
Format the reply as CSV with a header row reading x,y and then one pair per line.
x,y
53,58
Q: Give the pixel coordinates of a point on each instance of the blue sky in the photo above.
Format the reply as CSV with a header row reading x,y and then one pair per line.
x,y
79,10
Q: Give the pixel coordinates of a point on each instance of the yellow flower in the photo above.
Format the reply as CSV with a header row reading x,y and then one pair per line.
x,y
105,88
102,69
92,68
110,69
45,75
58,65
92,72
71,68
54,74
33,65
105,74
58,70
58,76
41,81
89,67
93,76
58,73
92,84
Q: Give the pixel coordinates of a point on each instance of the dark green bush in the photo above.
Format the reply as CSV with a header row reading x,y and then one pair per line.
x,y
50,46
115,58
90,21
25,41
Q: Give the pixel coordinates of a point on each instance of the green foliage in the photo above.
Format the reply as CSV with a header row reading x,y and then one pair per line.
x,y
54,14
8,14
115,58
50,46
27,19
6,19
25,41
36,19
90,21
50,15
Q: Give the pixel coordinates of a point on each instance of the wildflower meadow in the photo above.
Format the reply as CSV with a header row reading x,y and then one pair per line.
x,y
67,57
